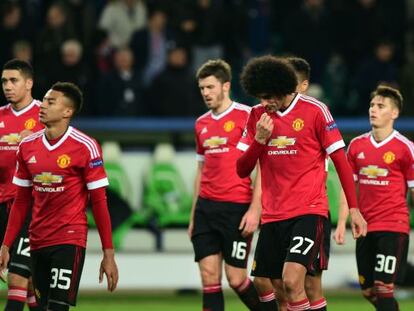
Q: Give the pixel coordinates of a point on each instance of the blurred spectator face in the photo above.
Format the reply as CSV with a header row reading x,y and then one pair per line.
x,y
56,16
314,3
71,52
158,20
205,4
367,3
384,52
177,58
23,50
124,59
12,17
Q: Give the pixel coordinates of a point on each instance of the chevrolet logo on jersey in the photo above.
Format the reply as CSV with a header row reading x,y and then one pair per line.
x,y
282,142
11,139
373,171
47,179
214,142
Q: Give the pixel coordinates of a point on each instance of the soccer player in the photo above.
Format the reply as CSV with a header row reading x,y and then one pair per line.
x,y
223,216
18,119
383,164
291,135
60,167
313,282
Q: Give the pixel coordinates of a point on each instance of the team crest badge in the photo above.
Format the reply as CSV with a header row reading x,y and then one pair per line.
x,y
63,161
298,124
30,124
361,279
229,126
389,157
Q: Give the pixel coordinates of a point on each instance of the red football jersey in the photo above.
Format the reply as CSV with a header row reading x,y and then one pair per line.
x,y
61,175
293,165
383,171
12,123
216,140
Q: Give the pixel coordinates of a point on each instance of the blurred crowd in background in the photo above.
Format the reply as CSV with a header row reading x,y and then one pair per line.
x,y
139,57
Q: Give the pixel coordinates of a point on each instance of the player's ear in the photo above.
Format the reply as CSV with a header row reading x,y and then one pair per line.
x,y
226,86
29,84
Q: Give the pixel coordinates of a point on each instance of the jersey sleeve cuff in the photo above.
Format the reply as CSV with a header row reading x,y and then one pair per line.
x,y
335,146
22,182
200,157
242,146
97,184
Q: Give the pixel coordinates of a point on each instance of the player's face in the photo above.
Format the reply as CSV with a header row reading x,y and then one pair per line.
x,y
272,103
382,112
54,108
213,91
15,86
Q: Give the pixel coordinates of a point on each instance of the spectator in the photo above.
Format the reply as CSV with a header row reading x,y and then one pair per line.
x,y
150,45
379,68
173,91
11,29
121,18
57,30
307,34
119,92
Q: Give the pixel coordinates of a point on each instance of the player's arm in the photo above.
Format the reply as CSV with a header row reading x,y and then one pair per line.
x,y
251,218
197,183
103,223
247,162
358,223
18,213
339,235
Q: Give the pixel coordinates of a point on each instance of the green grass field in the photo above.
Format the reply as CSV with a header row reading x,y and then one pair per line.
x,y
130,301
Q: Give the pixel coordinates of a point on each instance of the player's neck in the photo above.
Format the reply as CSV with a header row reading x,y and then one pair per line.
x,y
226,103
381,134
54,131
23,103
288,101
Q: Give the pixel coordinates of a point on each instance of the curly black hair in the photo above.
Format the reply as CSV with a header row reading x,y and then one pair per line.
x,y
268,76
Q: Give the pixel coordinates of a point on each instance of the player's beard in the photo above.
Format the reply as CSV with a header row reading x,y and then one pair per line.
x,y
216,104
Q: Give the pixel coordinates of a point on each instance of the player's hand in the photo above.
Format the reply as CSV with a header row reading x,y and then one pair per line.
x,y
250,221
264,128
358,223
339,235
4,260
109,268
190,228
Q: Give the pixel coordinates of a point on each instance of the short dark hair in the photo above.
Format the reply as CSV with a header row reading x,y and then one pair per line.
x,y
301,67
217,68
24,67
390,92
72,92
268,76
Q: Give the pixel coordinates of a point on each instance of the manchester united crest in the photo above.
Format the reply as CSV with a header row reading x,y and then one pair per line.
x,y
29,124
229,126
298,124
389,157
63,161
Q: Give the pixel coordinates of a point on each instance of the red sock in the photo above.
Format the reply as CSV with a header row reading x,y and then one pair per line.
x,y
318,305
298,305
